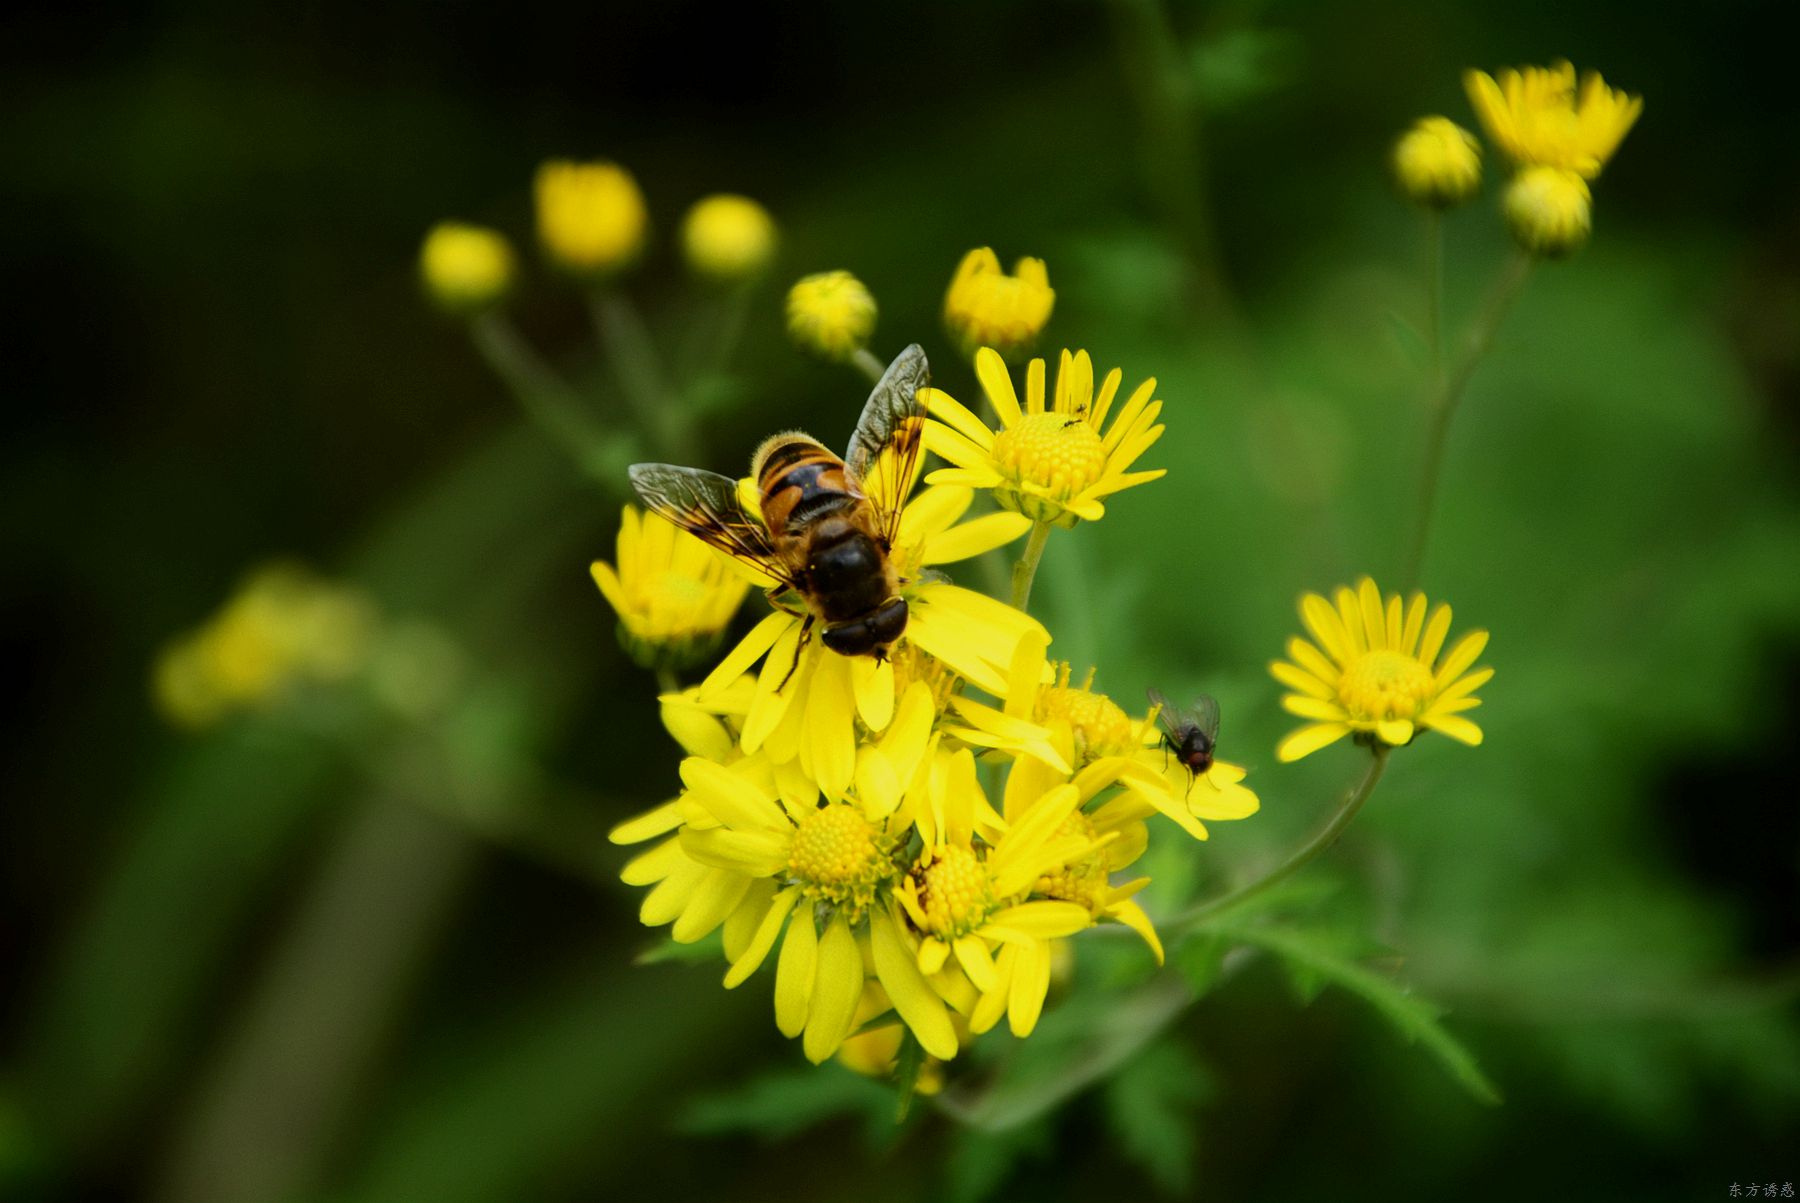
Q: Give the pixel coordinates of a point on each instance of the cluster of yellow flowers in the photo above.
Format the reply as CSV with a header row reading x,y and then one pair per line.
x,y
915,838
592,225
1558,138
912,837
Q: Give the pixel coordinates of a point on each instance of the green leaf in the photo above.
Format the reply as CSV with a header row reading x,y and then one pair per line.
x,y
979,1161
781,1104
708,948
1416,1018
1150,1107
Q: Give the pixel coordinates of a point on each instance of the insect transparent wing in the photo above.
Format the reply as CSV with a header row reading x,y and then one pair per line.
x,y
706,505
894,418
1205,715
1167,716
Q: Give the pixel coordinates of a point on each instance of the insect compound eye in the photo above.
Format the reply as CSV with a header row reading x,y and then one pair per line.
x,y
851,639
889,622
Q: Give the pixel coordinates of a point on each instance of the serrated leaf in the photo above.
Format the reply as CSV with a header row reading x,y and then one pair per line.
x,y
1150,1106
1416,1018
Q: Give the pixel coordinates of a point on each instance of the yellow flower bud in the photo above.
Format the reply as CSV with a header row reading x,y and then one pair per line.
x,y
830,314
985,307
1437,163
466,269
1549,210
728,237
590,216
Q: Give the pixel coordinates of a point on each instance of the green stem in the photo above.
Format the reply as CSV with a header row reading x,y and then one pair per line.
x,y
625,341
1173,156
1305,855
1026,569
667,682
873,368
1434,293
1444,400
541,392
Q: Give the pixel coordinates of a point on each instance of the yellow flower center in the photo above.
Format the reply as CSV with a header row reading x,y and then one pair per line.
x,y
1083,881
955,893
1385,685
1059,453
837,858
833,846
1101,728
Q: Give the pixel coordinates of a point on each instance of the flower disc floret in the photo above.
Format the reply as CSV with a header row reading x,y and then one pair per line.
x,y
955,892
1101,728
1056,456
836,856
1379,670
1051,458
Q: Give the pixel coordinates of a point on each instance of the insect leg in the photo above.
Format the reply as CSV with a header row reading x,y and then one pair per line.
x,y
806,629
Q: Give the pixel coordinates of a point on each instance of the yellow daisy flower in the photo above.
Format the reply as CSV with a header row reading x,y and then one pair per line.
x,y
965,897
828,863
809,698
1380,674
1065,727
1437,163
1536,117
674,595
985,307
831,315
1052,462
466,268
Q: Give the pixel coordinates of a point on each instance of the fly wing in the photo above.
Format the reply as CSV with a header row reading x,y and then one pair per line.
x,y
1167,716
892,421
1206,716
706,505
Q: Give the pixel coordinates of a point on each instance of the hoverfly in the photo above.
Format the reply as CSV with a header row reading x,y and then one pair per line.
x,y
1190,734
820,537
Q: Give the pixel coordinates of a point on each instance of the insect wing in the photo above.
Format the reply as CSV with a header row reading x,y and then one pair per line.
x,y
893,419
1205,715
706,505
1167,717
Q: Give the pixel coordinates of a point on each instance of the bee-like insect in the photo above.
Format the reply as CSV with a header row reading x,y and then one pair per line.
x,y
1190,734
820,535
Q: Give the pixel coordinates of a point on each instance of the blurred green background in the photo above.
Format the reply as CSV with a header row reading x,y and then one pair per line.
x,y
310,956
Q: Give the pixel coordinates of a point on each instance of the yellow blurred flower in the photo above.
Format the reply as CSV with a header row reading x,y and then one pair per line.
x,y
674,595
1437,163
283,627
1535,115
830,314
728,238
1380,674
1051,462
1549,211
985,307
466,269
591,219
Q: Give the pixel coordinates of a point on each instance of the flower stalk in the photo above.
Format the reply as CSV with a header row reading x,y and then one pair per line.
x,y
1445,398
1321,841
1025,570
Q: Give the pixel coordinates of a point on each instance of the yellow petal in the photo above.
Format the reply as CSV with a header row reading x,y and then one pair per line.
x,y
907,988
976,537
1326,627
1435,630
956,415
1461,656
749,650
764,939
755,853
1394,731
837,985
1308,740
794,973
717,896
1457,728
1031,981
647,826
972,954
1132,915
729,798
990,369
